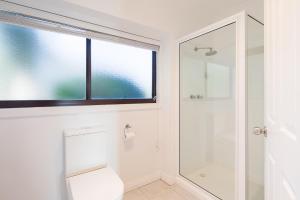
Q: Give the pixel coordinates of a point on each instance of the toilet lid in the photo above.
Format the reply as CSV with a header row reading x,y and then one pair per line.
x,y
101,184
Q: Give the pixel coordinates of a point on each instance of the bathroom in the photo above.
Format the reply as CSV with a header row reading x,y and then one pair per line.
x,y
161,99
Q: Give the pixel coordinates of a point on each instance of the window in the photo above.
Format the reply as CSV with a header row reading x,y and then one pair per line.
x,y
52,67
120,71
41,65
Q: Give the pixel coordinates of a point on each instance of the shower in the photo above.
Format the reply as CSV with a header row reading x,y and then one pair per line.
x,y
221,100
210,52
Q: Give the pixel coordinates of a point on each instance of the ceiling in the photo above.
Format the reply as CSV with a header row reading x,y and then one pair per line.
x,y
177,17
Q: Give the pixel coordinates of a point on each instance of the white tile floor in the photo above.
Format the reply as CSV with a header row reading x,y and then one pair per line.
x,y
159,190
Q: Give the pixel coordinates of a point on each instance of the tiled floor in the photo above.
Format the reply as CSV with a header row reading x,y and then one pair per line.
x,y
159,190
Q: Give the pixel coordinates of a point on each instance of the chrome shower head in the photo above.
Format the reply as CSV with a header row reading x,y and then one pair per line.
x,y
211,52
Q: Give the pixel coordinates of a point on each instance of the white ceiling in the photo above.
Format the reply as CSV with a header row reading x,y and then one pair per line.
x,y
177,17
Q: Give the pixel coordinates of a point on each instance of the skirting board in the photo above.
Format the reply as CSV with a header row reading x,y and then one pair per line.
x,y
169,179
131,185
194,189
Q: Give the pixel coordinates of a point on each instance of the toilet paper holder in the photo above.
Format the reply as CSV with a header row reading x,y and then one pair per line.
x,y
127,134
127,126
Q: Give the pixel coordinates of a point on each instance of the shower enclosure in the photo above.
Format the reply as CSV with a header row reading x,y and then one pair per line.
x,y
220,103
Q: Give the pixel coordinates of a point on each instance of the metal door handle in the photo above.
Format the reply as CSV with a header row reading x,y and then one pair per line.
x,y
260,131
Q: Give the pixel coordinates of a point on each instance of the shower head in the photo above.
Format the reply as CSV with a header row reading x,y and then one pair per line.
x,y
210,52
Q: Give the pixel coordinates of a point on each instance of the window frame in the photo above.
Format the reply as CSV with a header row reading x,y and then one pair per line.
x,y
88,98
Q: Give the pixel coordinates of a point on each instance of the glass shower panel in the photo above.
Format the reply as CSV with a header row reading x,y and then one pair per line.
x,y
255,109
207,111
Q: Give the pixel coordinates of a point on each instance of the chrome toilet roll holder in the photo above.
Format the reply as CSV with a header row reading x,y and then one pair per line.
x,y
126,129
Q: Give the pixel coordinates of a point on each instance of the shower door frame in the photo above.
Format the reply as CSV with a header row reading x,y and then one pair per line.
x,y
240,108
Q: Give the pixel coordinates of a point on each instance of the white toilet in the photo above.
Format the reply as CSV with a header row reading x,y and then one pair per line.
x,y
87,175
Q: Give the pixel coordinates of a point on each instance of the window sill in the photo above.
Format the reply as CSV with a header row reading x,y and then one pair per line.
x,y
33,112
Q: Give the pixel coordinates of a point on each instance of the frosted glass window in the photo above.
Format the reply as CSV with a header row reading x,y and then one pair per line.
x,y
41,65
120,71
44,63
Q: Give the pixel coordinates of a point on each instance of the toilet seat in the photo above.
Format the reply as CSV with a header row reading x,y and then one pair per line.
x,y
101,184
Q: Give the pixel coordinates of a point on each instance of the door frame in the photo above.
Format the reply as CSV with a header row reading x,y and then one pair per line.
x,y
240,108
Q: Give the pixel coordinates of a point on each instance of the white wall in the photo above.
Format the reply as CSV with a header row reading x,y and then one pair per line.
x,y
31,139
193,141
31,148
207,125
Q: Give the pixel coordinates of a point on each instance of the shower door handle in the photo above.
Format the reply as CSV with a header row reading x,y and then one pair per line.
x,y
260,131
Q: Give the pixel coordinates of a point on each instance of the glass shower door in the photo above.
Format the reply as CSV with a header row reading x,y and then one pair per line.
x,y
207,111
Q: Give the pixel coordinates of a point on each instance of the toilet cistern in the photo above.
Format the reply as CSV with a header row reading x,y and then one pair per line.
x,y
88,175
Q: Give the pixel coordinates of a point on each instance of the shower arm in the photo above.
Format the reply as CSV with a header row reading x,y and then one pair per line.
x,y
198,48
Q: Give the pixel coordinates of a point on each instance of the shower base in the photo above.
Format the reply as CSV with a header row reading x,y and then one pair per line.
x,y
215,179
219,181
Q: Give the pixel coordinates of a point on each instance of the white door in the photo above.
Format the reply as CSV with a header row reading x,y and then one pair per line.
x,y
282,86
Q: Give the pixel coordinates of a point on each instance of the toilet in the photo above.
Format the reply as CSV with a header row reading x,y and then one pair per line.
x,y
88,176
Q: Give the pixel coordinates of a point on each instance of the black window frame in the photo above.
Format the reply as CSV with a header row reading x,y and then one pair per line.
x,y
88,99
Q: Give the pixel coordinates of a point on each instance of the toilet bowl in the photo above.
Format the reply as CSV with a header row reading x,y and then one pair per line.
x,y
88,175
101,184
